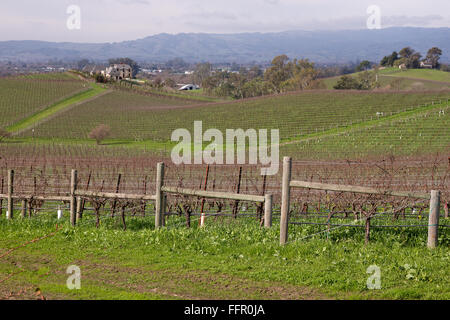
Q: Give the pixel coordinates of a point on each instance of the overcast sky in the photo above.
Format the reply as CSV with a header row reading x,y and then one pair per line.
x,y
118,20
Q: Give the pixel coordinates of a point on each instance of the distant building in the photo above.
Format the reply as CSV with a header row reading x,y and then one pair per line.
x,y
118,72
426,65
402,66
189,87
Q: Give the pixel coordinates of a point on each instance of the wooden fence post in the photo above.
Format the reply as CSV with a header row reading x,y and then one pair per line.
x,y
159,201
1,200
268,210
10,212
79,214
164,210
113,206
73,198
285,195
24,208
433,220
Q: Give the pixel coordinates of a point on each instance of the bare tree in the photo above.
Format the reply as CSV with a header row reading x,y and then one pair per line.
x,y
100,133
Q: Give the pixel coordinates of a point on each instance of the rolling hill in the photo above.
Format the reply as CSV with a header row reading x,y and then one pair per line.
x,y
318,46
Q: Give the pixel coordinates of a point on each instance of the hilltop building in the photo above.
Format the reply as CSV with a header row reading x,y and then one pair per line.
x,y
118,72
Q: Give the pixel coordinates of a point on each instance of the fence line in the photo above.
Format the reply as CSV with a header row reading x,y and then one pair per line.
x,y
76,196
287,184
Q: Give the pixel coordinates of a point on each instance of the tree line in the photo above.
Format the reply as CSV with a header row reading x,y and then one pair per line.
x,y
283,75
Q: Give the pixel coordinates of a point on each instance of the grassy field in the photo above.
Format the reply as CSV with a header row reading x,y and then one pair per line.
x,y
228,260
424,74
393,79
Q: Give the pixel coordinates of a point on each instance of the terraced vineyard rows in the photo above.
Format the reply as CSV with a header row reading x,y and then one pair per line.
x,y
25,95
423,133
296,115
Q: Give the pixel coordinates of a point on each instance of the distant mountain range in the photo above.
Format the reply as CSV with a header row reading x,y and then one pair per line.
x,y
318,46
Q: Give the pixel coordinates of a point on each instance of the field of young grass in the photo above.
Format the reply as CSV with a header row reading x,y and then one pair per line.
x,y
395,79
136,117
225,260
419,134
25,95
425,74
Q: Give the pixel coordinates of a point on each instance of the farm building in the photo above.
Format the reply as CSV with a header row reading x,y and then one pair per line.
x,y
118,72
426,65
189,87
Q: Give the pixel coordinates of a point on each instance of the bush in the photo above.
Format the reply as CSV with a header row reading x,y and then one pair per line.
x,y
100,133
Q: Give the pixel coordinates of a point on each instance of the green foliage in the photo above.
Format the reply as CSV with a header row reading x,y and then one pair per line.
x,y
231,254
347,82
363,66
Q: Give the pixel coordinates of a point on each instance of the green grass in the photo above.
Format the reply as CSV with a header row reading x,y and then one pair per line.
x,y
228,260
424,74
413,79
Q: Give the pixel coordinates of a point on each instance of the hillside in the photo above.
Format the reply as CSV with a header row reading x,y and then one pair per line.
x,y
413,79
149,119
318,46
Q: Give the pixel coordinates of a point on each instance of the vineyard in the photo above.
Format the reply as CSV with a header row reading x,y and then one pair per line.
x,y
413,135
295,115
136,231
25,95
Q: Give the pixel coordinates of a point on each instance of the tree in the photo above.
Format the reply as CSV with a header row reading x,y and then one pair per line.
x,y
433,56
202,72
133,64
4,134
406,52
392,58
100,133
388,61
367,80
280,71
365,65
346,83
169,82
100,78
413,61
412,58
304,77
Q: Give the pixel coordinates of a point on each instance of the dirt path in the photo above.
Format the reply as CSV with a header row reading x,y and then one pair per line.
x,y
146,280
